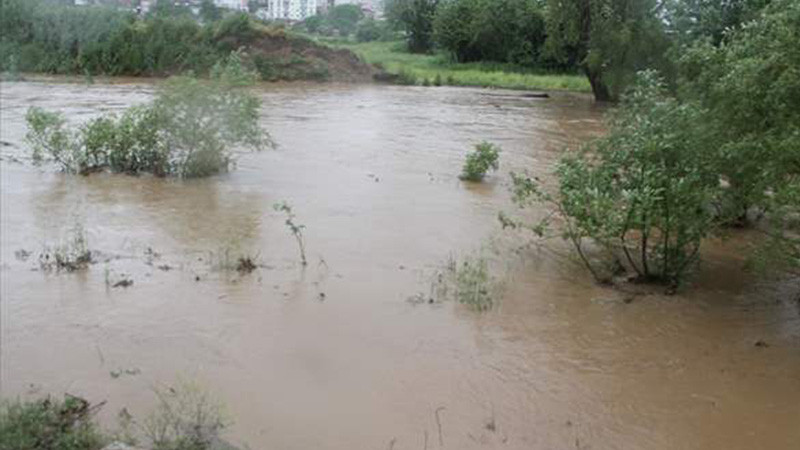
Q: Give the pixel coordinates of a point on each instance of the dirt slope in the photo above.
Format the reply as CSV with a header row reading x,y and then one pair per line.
x,y
280,55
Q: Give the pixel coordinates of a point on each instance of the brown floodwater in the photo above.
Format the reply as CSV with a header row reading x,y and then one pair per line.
x,y
559,363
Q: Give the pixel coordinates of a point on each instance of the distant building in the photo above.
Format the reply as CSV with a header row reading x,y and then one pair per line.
x,y
371,8
291,9
240,5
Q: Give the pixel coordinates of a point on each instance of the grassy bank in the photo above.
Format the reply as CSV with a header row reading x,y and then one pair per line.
x,y
428,69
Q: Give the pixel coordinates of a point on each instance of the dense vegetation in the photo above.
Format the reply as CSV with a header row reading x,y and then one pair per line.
x,y
720,149
505,31
49,424
607,40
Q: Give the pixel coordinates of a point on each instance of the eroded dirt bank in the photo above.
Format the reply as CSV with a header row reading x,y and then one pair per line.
x,y
372,172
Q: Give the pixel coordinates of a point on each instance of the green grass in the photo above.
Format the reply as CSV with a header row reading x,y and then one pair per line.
x,y
425,69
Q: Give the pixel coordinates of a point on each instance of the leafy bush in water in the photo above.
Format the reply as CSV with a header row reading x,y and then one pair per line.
x,y
186,131
468,281
186,418
49,423
72,255
486,156
295,228
474,284
642,194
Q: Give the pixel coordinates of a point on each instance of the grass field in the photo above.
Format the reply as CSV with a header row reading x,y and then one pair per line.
x,y
439,69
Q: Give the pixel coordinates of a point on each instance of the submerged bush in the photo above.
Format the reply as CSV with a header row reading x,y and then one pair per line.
x,y
51,424
468,281
295,228
642,194
485,157
474,284
72,255
187,131
186,418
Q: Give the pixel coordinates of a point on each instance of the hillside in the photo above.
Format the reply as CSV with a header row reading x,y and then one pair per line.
x,y
42,37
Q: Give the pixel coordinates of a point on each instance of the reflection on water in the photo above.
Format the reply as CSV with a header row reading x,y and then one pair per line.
x,y
372,172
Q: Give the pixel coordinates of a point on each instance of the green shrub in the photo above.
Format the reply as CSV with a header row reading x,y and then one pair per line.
x,y
474,284
643,194
187,131
405,78
486,156
186,418
345,18
369,30
50,424
467,281
751,88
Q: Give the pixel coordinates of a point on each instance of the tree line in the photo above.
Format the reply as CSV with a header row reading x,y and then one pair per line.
x,y
608,40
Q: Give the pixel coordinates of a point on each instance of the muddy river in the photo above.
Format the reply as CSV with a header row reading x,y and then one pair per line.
x,y
336,356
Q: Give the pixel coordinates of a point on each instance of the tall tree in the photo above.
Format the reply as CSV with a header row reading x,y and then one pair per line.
x,y
491,30
415,17
610,39
345,18
166,8
209,12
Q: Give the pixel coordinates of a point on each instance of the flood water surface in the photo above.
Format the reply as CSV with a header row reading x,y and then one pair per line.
x,y
347,352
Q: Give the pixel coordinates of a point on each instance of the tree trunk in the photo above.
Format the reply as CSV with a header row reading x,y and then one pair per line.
x,y
599,88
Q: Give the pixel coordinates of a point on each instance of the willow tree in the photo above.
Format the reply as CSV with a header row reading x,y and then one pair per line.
x,y
415,17
609,39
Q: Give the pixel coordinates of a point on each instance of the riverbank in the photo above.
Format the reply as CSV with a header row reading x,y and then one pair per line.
x,y
51,39
432,69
